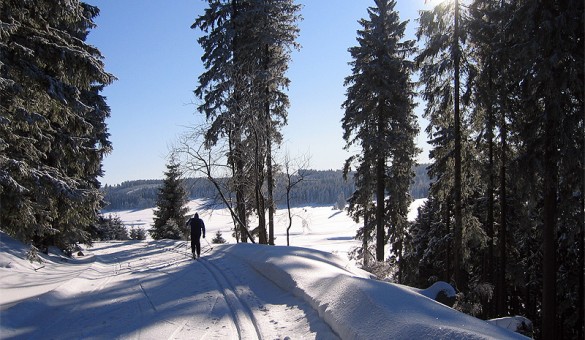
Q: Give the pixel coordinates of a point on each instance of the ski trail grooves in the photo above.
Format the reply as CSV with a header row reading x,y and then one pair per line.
x,y
246,324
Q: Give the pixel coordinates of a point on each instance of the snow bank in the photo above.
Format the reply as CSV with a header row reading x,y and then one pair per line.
x,y
357,307
22,279
516,323
354,305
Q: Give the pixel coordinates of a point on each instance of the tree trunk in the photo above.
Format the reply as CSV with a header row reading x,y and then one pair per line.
x,y
380,186
501,268
260,202
269,176
582,270
552,110
380,235
238,161
458,230
581,332
270,180
365,250
549,265
449,250
489,261
240,195
289,214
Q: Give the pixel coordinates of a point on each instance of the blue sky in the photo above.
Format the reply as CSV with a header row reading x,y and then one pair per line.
x,y
150,48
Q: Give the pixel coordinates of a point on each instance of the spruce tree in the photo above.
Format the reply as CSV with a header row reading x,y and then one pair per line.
x,y
171,212
360,202
549,124
111,228
53,135
445,74
428,250
379,116
247,49
524,92
221,88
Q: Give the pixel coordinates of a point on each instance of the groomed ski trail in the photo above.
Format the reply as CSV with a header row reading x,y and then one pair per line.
x,y
154,289
242,316
244,319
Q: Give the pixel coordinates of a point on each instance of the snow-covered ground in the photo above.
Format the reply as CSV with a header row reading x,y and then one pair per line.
x,y
153,289
319,228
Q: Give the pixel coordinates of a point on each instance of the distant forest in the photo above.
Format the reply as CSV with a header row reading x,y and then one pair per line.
x,y
320,187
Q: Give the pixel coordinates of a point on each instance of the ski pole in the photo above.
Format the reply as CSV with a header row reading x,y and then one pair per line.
x,y
208,243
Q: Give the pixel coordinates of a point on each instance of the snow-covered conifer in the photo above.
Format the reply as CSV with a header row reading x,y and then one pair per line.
x,y
379,118
446,72
53,134
247,47
171,212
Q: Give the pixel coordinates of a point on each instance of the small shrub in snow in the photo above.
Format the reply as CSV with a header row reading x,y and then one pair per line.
x,y
170,230
218,239
33,255
111,228
137,234
384,271
471,303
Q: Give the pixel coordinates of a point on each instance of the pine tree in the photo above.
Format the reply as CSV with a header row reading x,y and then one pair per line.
x,y
428,251
170,212
446,70
218,238
484,33
221,87
549,125
247,49
360,202
379,116
111,228
525,110
137,234
53,131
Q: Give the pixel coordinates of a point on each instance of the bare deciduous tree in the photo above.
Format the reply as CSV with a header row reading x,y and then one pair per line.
x,y
293,170
203,160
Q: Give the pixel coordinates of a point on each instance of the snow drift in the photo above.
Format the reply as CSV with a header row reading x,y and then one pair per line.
x,y
356,306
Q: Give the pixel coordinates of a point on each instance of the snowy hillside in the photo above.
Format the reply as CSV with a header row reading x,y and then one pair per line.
x,y
153,289
319,228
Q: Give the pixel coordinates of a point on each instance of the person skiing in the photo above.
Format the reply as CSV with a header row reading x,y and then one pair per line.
x,y
197,229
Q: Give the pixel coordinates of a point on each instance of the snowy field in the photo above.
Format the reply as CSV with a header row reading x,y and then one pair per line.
x,y
321,228
154,290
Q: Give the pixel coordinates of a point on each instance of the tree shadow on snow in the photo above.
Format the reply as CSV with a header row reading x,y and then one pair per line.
x,y
148,289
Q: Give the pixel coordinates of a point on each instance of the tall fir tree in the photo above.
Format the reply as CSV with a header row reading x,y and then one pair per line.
x,y
221,90
525,63
53,134
446,72
247,49
484,34
428,248
171,211
379,117
549,127
360,202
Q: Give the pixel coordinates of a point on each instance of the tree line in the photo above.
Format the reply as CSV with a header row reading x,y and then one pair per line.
x,y
502,83
321,187
504,221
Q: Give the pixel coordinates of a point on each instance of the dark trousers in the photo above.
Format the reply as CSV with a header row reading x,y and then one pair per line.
x,y
196,244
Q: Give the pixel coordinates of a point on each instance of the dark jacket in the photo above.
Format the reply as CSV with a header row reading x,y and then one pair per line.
x,y
197,227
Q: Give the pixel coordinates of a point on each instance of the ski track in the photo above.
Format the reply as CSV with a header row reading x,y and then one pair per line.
x,y
241,312
243,319
146,292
